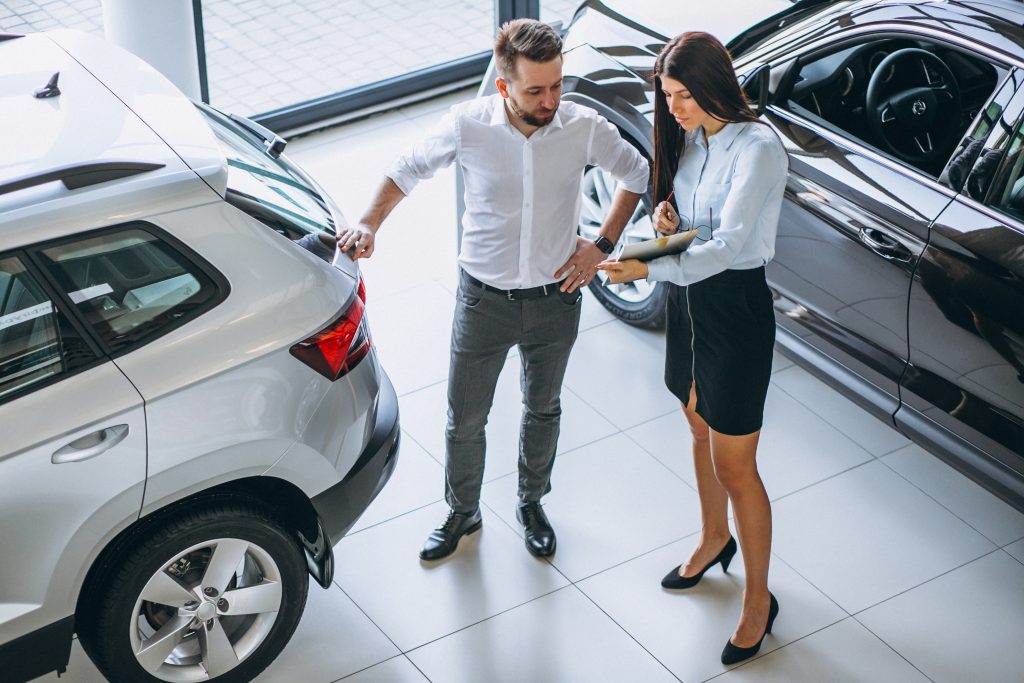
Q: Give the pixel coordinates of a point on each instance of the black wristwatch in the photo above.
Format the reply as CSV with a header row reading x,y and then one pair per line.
x,y
604,244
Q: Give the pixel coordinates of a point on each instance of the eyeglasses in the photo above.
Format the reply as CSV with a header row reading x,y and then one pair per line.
x,y
704,232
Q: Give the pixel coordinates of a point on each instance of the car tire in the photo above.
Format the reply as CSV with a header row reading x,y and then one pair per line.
x,y
214,593
640,303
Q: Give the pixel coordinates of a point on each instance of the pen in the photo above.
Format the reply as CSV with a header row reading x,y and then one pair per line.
x,y
669,207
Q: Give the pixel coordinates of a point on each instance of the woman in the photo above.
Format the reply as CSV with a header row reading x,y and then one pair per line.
x,y
727,172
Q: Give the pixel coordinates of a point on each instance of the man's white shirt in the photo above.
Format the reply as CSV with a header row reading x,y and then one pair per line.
x,y
522,194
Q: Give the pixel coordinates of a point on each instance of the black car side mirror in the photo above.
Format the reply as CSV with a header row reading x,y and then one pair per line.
x,y
755,85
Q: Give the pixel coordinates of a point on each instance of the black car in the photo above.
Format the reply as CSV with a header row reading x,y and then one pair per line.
x,y
900,254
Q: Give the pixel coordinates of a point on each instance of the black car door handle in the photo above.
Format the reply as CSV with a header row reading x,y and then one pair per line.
x,y
884,245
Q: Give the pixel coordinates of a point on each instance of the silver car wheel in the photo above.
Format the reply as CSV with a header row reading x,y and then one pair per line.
x,y
598,192
206,610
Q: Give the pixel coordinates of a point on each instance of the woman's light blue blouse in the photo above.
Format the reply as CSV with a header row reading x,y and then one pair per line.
x,y
733,181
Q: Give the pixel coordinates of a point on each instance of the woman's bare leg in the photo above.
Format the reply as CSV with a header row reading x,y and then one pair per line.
x,y
714,502
735,465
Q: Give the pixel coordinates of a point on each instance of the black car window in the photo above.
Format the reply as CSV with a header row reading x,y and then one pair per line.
x,y
909,98
130,284
37,342
971,167
1007,169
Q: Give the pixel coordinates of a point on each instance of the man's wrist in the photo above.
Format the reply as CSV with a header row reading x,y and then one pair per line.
x,y
604,244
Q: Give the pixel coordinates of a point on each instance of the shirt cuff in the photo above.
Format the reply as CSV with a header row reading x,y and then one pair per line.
x,y
661,269
404,181
636,186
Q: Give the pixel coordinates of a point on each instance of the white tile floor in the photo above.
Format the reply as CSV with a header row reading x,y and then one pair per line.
x,y
889,566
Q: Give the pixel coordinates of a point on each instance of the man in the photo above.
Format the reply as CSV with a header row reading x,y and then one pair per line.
x,y
522,264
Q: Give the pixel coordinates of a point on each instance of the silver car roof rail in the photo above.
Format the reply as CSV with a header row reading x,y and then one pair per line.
x,y
83,174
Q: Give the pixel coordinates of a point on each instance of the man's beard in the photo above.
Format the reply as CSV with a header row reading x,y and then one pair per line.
x,y
530,119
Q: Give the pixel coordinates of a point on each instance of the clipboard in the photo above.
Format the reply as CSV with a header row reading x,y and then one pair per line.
x,y
648,250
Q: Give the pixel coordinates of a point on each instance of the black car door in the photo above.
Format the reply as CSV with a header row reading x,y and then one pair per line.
x,y
853,226
964,386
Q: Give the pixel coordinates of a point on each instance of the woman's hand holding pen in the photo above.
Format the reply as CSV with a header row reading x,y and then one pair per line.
x,y
666,220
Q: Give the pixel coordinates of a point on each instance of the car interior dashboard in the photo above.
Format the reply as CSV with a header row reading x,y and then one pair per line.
x,y
834,88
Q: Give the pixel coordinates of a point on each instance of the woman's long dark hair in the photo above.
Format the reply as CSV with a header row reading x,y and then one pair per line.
x,y
700,62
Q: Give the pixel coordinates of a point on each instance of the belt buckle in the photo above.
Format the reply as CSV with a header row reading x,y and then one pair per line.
x,y
508,293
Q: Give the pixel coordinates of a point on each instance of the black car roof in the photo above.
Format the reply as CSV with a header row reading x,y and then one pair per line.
x,y
1011,11
997,25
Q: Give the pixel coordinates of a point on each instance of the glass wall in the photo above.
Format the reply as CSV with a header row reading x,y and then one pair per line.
x,y
262,55
559,10
25,16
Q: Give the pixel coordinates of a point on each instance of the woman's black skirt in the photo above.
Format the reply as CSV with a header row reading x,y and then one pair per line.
x,y
720,334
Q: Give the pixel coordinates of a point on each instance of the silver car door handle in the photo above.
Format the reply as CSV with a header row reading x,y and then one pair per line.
x,y
91,445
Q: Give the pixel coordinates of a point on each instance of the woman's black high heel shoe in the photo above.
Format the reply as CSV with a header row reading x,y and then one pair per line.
x,y
673,580
733,653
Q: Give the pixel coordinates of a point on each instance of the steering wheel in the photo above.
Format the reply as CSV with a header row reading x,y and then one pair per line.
x,y
915,123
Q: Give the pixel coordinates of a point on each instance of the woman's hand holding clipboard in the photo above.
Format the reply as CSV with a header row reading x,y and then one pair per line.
x,y
630,263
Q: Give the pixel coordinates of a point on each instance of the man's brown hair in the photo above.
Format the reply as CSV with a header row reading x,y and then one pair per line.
x,y
528,38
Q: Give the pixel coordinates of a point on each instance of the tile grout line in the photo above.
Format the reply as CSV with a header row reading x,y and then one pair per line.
x,y
567,385
573,584
391,519
417,442
816,587
892,647
359,607
662,463
927,581
828,422
623,629
761,655
821,481
367,668
1012,556
1014,541
415,666
480,621
941,504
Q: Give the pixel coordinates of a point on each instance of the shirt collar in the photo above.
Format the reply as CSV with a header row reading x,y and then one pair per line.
x,y
556,122
723,138
499,116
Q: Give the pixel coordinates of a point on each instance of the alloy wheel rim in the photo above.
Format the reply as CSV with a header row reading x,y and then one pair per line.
x,y
206,610
598,192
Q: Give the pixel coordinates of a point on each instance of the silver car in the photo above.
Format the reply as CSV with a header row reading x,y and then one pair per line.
x,y
191,408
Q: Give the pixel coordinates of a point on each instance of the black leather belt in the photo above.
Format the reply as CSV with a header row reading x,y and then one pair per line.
x,y
514,294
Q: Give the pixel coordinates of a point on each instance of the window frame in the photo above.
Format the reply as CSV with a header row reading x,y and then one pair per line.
x,y
59,304
221,286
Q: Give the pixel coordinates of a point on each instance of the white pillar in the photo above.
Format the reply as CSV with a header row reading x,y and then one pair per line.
x,y
161,32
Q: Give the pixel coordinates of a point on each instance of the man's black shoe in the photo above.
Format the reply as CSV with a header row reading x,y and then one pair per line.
x,y
444,539
540,537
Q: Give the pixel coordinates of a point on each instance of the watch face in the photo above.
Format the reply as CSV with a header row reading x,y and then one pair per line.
x,y
604,244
